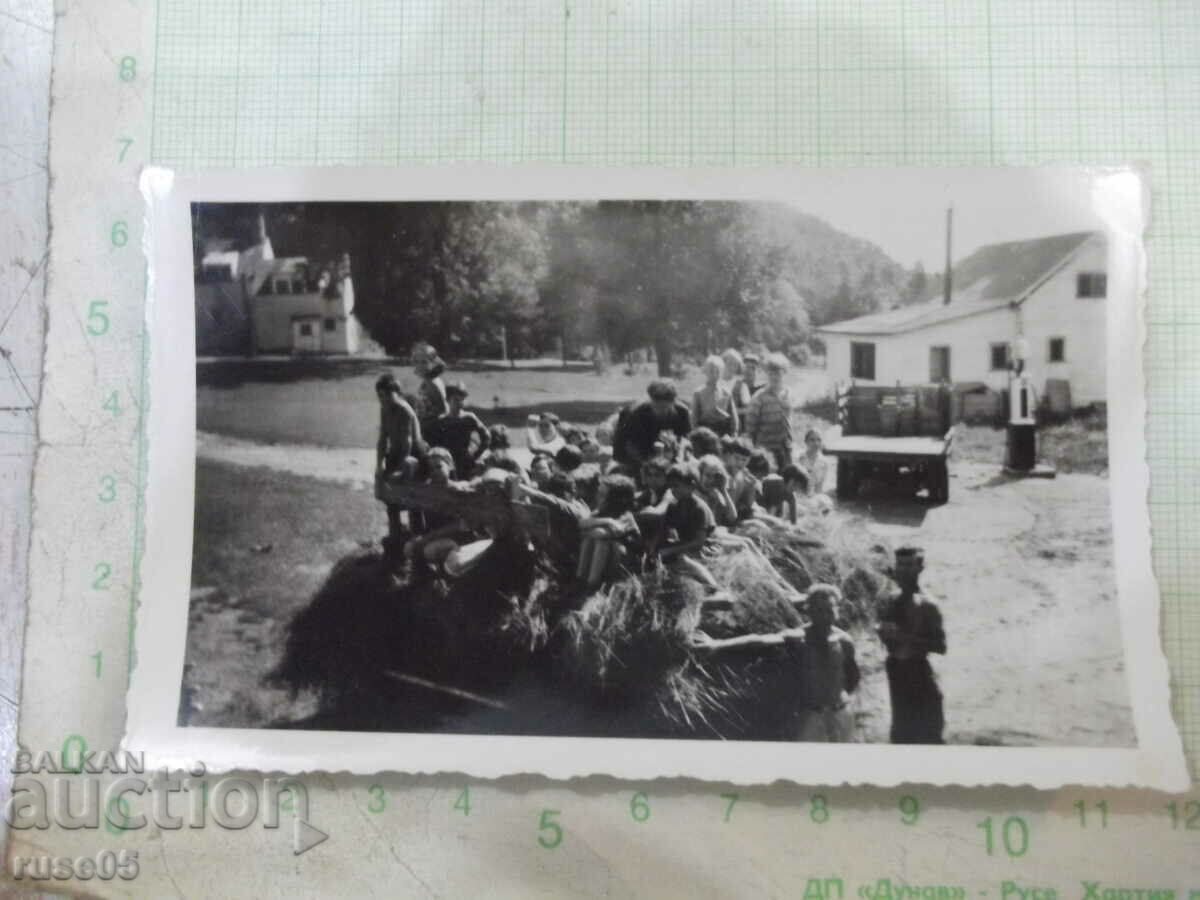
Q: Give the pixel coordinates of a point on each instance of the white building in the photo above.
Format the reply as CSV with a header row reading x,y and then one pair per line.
x,y
250,302
1050,291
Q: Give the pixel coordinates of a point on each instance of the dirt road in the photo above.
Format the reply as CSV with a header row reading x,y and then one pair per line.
x,y
1023,572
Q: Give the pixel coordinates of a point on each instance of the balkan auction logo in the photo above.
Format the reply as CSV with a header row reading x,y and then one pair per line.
x,y
82,794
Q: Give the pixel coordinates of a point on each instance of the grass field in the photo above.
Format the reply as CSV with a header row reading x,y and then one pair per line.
x,y
265,541
299,402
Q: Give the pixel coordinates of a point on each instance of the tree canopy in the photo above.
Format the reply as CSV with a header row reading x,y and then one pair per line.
x,y
680,276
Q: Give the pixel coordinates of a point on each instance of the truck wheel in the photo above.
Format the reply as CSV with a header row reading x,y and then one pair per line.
x,y
939,488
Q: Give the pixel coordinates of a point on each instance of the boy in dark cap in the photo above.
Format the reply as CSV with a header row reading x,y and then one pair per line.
x,y
910,627
461,432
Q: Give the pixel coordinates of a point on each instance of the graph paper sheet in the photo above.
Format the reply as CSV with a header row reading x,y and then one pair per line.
x,y
808,83
832,83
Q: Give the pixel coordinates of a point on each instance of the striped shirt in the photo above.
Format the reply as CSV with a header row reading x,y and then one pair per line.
x,y
769,420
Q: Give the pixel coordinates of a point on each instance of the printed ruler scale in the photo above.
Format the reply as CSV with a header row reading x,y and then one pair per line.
x,y
241,84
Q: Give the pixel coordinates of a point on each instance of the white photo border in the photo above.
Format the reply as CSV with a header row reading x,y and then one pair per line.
x,y
1157,760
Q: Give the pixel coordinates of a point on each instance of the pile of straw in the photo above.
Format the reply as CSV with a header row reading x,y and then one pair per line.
x,y
625,653
630,644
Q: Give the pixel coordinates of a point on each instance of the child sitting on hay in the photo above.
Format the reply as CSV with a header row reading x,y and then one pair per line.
x,y
444,532
714,490
689,519
743,486
611,536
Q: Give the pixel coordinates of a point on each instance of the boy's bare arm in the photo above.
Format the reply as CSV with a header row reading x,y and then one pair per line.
x,y
485,437
415,427
777,639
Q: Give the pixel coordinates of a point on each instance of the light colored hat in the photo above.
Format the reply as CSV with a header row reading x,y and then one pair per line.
x,y
462,559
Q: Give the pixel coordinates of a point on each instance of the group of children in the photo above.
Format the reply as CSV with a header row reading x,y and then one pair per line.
x,y
669,492
676,489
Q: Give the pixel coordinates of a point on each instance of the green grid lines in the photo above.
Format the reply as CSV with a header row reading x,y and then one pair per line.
x,y
806,82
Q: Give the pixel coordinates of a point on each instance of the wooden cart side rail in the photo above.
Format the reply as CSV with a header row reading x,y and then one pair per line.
x,y
485,509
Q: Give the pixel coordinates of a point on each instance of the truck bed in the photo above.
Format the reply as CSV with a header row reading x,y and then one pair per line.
x,y
863,446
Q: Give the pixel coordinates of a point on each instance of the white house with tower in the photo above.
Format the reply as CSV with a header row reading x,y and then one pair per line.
x,y
250,302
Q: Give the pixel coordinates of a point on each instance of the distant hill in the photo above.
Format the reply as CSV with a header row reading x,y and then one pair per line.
x,y
839,275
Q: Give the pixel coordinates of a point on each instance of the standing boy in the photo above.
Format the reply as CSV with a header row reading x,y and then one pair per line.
x,y
399,440
828,671
431,394
824,663
910,627
745,387
461,432
769,418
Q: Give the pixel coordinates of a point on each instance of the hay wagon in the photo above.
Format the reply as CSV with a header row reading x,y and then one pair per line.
x,y
888,433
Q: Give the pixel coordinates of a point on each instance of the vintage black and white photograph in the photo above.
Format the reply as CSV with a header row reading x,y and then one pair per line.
x,y
829,465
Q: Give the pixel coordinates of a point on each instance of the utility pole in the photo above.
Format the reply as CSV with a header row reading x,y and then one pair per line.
x,y
948,280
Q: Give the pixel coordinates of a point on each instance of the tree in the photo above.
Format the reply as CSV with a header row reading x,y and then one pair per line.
x,y
918,284
567,291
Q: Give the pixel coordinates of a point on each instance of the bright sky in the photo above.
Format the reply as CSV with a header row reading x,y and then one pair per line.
x,y
904,212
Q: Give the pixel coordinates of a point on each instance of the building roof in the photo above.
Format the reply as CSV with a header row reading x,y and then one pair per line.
x,y
992,277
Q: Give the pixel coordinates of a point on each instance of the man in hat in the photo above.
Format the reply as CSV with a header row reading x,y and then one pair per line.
x,y
461,432
662,411
910,627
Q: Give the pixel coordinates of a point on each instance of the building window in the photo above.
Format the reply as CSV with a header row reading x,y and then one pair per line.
x,y
1000,355
331,324
862,361
939,364
1091,284
1058,350
305,329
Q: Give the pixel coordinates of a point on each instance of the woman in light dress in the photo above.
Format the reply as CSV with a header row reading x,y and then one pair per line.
x,y
712,405
814,462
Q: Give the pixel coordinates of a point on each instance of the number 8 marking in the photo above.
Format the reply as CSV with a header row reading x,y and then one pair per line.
x,y
818,809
